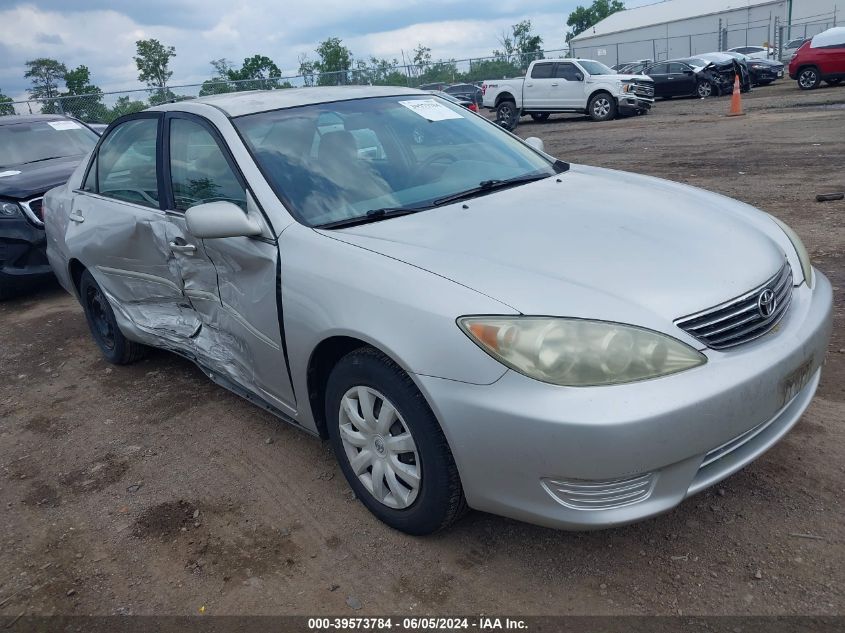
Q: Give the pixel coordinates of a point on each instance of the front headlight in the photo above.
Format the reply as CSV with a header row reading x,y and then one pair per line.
x,y
9,210
800,250
578,352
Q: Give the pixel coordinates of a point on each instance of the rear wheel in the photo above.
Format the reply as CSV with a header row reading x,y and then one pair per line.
x,y
602,107
506,115
540,116
809,78
390,446
704,89
98,312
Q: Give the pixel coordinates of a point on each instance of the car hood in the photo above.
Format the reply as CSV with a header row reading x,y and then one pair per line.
x,y
591,243
625,77
34,179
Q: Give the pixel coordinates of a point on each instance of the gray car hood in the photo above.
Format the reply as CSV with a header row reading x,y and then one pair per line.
x,y
591,243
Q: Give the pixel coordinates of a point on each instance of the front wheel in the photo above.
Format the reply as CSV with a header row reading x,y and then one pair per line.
x,y
704,89
390,446
602,107
98,312
809,79
506,115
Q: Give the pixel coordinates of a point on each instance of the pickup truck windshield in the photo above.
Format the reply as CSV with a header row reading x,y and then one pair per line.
x,y
30,142
596,68
376,158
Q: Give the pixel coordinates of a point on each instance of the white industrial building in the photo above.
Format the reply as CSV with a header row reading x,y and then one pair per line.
x,y
680,28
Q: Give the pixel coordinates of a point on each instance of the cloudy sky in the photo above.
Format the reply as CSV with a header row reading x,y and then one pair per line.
x,y
101,33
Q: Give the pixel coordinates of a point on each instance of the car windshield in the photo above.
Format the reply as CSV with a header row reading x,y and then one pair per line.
x,y
334,162
34,141
596,68
696,61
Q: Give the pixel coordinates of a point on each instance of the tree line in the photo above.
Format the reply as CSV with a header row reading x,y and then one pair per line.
x,y
334,64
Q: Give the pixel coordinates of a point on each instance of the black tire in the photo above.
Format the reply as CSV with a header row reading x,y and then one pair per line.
x,y
507,114
539,117
809,78
115,347
704,89
440,499
602,107
833,82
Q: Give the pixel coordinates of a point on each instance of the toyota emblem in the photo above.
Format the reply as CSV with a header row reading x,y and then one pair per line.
x,y
766,303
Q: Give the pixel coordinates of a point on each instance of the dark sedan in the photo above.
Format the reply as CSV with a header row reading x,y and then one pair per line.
x,y
37,153
762,71
469,92
679,79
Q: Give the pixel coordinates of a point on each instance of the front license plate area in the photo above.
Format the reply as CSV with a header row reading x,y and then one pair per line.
x,y
795,382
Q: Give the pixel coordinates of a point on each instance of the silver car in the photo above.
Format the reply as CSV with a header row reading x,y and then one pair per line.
x,y
469,321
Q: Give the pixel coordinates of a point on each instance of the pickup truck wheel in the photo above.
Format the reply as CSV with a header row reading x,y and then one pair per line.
x,y
809,78
704,89
602,107
506,115
540,116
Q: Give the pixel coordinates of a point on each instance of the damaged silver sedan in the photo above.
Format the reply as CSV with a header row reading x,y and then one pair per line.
x,y
471,322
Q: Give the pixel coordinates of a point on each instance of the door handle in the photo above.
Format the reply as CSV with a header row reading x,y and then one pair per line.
x,y
76,216
529,85
555,85
181,246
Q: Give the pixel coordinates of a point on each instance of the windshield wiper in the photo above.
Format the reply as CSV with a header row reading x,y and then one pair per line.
x,y
487,186
376,215
39,160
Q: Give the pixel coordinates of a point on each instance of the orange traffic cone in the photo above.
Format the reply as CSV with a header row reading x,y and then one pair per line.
x,y
736,100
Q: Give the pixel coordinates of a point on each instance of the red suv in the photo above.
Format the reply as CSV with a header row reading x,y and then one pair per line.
x,y
820,59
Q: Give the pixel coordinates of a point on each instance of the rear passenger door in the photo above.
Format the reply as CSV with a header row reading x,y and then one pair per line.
x,y
662,84
682,79
540,88
118,230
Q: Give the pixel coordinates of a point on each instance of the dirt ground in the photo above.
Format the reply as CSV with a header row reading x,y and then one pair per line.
x,y
149,490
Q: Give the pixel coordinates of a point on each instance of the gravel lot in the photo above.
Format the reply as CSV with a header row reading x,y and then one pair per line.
x,y
147,489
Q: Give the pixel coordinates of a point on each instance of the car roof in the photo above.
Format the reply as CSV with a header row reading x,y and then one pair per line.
x,y
236,104
15,119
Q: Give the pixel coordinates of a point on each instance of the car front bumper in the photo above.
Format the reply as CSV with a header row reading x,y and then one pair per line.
x,y
585,458
632,104
23,258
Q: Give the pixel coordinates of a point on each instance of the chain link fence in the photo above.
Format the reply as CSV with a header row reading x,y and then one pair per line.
x,y
765,32
104,107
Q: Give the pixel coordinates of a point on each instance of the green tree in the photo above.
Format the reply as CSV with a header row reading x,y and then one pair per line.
x,y
125,105
153,62
386,73
89,105
219,82
334,63
528,46
307,69
421,59
582,18
259,72
45,74
6,106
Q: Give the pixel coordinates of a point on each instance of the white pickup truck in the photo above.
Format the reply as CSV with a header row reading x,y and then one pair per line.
x,y
567,85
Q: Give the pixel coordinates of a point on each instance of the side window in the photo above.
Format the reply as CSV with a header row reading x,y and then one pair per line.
x,y
126,163
677,69
90,183
542,71
199,171
658,69
566,71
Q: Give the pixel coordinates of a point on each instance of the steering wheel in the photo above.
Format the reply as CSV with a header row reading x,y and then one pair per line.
x,y
434,158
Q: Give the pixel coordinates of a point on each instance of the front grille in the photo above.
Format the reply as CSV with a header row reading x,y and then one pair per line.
x,y
742,319
582,494
35,210
644,89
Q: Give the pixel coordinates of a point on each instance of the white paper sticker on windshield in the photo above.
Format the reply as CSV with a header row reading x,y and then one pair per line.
x,y
11,172
431,110
64,125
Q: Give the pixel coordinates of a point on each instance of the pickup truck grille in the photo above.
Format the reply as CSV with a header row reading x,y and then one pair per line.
x,y
642,89
745,318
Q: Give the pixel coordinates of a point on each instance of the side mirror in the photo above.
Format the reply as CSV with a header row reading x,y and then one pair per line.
x,y
220,219
536,143
579,77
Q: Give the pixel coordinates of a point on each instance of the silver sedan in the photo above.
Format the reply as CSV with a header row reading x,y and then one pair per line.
x,y
469,321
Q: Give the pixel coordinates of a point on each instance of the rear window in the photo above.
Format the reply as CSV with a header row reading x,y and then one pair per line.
x,y
22,143
542,71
